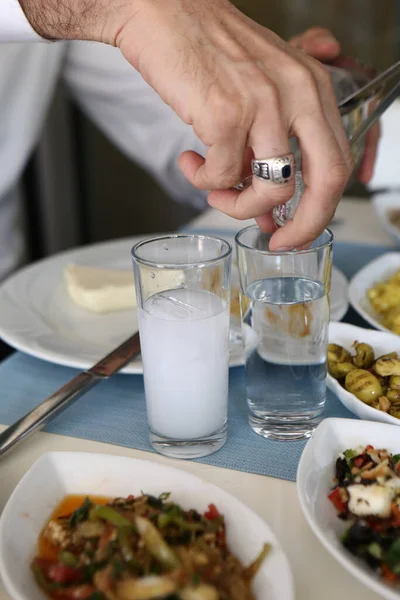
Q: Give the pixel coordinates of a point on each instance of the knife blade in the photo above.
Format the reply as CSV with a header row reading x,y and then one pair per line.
x,y
52,406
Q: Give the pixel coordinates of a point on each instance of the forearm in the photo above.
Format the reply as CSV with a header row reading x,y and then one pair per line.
x,y
96,20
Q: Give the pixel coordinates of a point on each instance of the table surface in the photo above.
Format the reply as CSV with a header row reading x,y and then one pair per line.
x,y
317,576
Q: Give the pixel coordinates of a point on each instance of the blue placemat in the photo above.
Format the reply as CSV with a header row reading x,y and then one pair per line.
x,y
114,411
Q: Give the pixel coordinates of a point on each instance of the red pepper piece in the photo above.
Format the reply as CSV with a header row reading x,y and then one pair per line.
x,y
360,461
43,563
388,574
395,522
221,538
336,499
60,573
212,512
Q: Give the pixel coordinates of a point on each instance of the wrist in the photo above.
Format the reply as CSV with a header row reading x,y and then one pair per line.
x,y
94,20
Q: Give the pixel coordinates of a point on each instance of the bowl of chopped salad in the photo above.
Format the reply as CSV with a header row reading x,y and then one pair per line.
x,y
348,484
84,526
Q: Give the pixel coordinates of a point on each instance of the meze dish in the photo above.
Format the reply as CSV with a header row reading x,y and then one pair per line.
x,y
139,548
367,493
373,380
384,297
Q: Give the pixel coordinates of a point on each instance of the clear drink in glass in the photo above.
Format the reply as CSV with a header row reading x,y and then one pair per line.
x,y
285,317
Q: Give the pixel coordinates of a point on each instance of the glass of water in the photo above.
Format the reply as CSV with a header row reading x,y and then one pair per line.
x,y
183,292
285,317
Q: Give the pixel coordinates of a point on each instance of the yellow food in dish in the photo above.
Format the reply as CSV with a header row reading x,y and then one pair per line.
x,y
384,298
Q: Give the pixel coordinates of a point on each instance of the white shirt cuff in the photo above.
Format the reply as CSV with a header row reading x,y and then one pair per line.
x,y
14,26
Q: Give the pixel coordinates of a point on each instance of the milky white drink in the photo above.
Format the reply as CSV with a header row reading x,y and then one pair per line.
x,y
184,341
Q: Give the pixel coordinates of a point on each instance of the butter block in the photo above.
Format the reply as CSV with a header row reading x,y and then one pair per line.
x,y
100,290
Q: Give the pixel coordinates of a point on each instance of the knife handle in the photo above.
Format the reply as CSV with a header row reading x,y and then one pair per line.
x,y
47,410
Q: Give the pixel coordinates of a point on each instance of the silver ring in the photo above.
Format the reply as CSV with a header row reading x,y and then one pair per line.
x,y
278,170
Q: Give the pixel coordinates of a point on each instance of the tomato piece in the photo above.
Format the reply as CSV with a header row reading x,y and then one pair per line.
x,y
60,573
336,499
388,574
221,538
395,522
43,563
212,512
359,461
106,536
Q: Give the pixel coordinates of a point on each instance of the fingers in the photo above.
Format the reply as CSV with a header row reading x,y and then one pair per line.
x,y
320,44
325,174
266,223
222,167
317,42
268,138
325,154
366,169
252,91
255,201
328,102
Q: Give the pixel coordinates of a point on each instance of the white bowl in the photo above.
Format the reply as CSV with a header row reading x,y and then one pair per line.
x,y
382,343
314,481
382,204
374,272
57,474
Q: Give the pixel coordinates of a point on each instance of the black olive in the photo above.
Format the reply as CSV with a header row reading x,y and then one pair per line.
x,y
195,516
342,470
358,535
154,502
180,539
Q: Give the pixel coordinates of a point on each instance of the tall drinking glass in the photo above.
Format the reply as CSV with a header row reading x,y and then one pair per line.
x,y
285,317
183,290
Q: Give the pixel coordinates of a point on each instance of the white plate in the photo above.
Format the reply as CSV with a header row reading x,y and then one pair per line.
x,y
382,343
382,204
57,474
339,302
374,272
38,317
314,481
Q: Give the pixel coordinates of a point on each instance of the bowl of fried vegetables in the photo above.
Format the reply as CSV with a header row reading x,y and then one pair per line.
x,y
86,526
364,371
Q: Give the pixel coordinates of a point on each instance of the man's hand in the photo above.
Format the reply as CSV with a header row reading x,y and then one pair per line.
x,y
322,45
239,85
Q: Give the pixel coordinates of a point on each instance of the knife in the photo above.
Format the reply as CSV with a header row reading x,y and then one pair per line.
x,y
70,392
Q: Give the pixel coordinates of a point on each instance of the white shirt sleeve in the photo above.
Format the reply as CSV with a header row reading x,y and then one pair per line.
x,y
132,115
14,26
